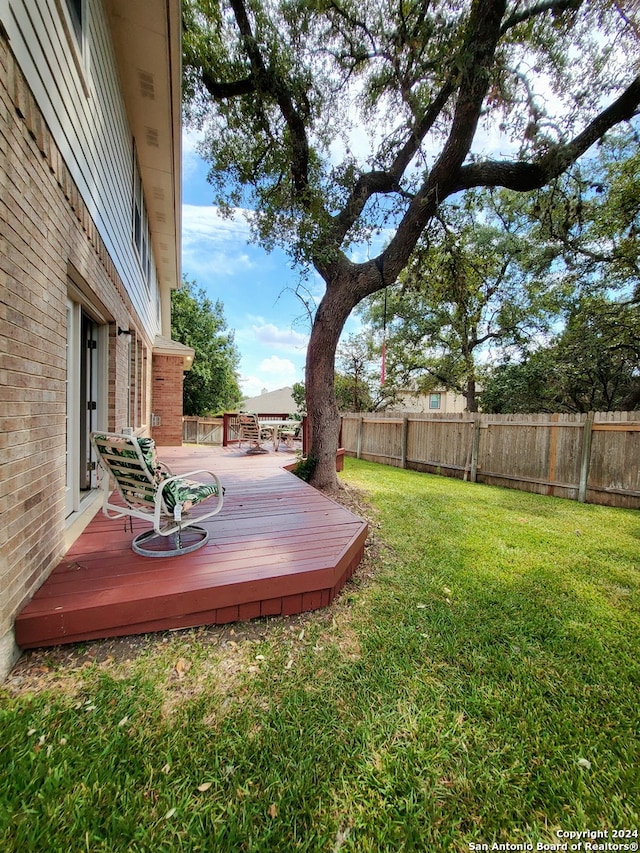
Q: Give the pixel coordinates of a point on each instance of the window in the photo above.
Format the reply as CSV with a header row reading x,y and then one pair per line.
x,y
140,225
434,401
75,24
77,17
138,383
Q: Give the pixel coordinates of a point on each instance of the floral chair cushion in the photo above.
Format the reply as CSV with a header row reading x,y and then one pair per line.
x,y
186,492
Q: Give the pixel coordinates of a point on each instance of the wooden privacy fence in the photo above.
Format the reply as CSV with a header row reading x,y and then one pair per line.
x,y
593,457
202,430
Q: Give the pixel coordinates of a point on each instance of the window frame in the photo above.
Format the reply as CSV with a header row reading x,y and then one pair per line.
x,y
140,230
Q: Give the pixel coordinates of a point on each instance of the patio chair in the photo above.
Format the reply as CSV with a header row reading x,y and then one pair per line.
x,y
149,491
290,434
253,433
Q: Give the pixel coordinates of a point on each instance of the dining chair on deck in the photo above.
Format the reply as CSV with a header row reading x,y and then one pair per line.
x,y
253,433
149,490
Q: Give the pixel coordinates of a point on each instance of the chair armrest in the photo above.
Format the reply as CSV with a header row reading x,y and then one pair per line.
x,y
187,475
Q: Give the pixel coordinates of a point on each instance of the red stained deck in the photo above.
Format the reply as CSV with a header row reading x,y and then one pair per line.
x,y
277,547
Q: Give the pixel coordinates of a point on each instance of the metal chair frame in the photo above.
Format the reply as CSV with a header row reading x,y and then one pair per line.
x,y
144,494
252,432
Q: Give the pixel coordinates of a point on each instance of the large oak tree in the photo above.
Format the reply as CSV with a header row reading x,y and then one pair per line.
x,y
283,89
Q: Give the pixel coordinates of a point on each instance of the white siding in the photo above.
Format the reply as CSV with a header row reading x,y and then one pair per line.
x,y
85,112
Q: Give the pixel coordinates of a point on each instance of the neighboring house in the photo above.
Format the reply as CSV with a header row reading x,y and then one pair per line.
x,y
278,402
90,224
437,401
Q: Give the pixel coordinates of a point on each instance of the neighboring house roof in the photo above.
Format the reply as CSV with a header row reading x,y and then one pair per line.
x,y
271,402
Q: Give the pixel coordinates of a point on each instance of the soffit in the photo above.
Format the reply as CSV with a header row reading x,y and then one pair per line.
x,y
146,39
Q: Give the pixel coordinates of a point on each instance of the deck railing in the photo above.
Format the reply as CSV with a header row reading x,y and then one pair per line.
x,y
226,430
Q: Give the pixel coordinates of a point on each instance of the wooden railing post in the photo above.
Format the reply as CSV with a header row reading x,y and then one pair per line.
x,y
225,429
305,436
585,458
404,442
360,431
475,449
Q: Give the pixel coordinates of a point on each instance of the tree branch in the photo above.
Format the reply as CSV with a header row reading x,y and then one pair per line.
x,y
480,45
222,91
539,9
265,80
524,177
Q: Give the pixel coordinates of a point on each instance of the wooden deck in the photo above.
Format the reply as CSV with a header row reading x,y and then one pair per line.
x,y
278,547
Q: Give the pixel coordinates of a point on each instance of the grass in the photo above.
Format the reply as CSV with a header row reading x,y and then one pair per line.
x,y
476,683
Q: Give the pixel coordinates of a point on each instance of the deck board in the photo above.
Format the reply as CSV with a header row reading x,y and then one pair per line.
x,y
278,547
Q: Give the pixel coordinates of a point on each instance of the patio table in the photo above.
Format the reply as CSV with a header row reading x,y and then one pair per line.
x,y
277,426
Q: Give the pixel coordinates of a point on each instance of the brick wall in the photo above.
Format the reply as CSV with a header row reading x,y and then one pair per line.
x,y
46,231
168,378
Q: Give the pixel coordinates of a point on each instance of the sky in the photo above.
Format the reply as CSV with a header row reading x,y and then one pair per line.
x,y
256,287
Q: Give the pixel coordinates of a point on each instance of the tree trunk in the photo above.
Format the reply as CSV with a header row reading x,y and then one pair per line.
x,y
631,400
472,400
322,408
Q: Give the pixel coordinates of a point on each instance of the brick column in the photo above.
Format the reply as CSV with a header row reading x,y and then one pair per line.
x,y
166,400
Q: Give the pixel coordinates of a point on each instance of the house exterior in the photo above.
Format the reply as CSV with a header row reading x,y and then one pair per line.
x,y
90,250
438,401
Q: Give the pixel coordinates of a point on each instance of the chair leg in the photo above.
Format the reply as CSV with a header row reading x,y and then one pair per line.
x,y
183,541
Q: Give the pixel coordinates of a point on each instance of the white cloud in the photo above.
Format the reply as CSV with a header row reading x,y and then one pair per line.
x,y
274,365
213,244
191,160
265,336
285,339
199,221
272,373
253,386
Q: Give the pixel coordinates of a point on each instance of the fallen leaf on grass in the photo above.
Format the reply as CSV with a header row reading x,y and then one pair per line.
x,y
170,813
204,787
273,810
182,666
123,721
584,762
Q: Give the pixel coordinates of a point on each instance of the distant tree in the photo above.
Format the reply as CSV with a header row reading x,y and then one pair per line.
x,y
279,85
470,285
298,392
592,365
585,232
359,385
211,386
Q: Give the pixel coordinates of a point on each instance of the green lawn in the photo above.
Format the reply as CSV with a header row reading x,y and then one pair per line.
x,y
477,682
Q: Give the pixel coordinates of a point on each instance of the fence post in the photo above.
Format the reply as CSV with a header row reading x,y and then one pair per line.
x,y
359,444
405,438
585,458
475,449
